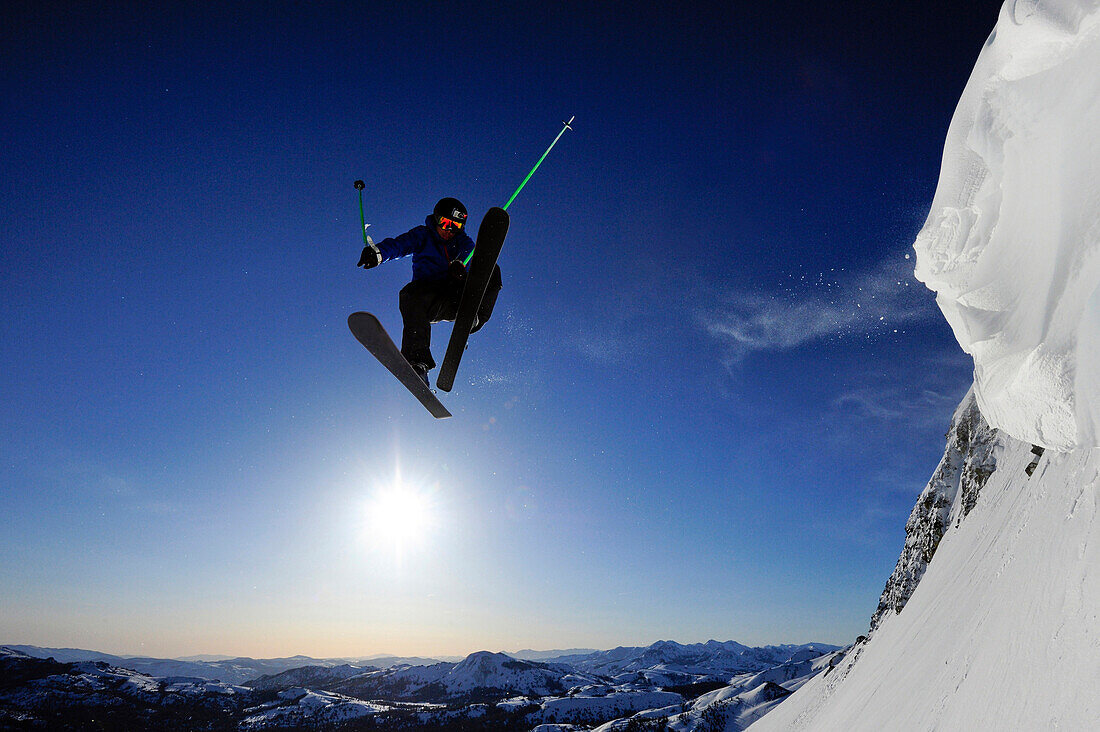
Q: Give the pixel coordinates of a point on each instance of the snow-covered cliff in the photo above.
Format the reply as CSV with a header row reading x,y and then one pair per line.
x,y
991,619
1012,241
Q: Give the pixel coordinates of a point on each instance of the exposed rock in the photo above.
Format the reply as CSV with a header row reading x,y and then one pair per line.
x,y
968,461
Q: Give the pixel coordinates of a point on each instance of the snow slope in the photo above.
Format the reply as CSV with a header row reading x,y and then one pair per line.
x,y
1003,631
1012,242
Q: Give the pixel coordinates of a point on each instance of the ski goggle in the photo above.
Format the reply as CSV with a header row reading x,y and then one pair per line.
x,y
447,224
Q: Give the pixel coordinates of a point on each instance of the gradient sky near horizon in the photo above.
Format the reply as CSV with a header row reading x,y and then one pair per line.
x,y
704,407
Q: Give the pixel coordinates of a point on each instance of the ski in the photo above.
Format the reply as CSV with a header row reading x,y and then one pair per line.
x,y
368,331
490,239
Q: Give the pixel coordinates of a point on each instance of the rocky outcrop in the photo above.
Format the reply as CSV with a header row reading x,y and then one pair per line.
x,y
968,460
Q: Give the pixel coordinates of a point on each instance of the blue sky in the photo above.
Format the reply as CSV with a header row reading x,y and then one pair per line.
x,y
704,407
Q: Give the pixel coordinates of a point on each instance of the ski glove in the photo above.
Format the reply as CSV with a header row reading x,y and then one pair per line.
x,y
457,270
371,257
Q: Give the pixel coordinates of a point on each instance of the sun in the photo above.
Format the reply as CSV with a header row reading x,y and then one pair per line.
x,y
400,516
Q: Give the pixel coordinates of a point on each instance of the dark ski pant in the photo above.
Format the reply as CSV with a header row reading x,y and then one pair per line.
x,y
424,302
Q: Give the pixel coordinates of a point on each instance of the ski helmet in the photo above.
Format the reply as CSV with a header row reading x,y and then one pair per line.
x,y
450,208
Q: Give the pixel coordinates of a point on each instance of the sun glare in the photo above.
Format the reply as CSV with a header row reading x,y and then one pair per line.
x,y
399,516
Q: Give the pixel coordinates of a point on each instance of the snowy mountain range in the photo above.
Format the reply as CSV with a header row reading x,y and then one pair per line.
x,y
707,661
234,670
693,683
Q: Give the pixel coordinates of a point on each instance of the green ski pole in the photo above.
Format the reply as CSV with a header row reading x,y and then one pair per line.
x,y
565,126
555,142
359,186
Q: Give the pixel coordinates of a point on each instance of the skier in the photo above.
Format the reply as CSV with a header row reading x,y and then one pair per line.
x,y
438,249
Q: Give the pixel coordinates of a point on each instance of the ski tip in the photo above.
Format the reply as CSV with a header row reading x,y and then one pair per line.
x,y
362,318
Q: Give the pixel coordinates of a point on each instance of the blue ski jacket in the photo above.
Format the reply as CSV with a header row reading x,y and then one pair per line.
x,y
431,255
